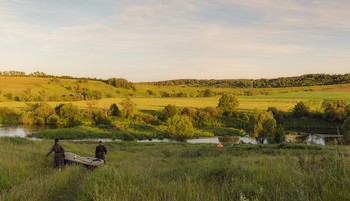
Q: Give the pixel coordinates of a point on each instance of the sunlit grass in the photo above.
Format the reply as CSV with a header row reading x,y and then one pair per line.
x,y
176,171
281,98
246,103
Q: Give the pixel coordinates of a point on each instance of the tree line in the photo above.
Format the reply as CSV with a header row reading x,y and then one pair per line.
x,y
184,122
13,73
296,81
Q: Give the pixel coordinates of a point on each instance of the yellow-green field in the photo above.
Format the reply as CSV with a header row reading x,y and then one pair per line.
x,y
157,104
283,102
58,86
281,98
52,86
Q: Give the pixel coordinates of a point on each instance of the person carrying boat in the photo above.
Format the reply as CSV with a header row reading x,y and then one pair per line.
x,y
100,151
59,154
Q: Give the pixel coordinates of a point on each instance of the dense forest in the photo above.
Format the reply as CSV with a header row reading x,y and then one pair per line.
x,y
296,81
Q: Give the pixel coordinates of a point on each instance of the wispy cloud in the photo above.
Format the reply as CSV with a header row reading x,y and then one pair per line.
x,y
317,13
157,34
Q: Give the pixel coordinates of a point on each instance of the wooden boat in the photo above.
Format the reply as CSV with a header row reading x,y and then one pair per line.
x,y
90,162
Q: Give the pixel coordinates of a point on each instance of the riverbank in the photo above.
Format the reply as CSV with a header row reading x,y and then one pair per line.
x,y
176,171
94,134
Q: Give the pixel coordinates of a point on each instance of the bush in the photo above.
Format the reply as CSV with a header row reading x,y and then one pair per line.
x,y
169,111
27,118
100,118
39,121
180,127
300,110
9,116
127,137
219,131
146,118
203,133
279,135
53,120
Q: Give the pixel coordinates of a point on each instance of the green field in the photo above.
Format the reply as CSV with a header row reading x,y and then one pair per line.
x,y
16,86
282,98
60,86
283,101
176,171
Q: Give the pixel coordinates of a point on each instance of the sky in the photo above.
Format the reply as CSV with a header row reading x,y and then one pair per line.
x,y
153,40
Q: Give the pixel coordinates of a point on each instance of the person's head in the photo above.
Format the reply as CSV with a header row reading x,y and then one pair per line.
x,y
56,140
100,142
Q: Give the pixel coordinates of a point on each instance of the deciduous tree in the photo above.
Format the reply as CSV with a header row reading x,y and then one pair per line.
x,y
261,125
300,110
70,114
228,103
335,110
169,111
180,126
114,110
128,108
279,135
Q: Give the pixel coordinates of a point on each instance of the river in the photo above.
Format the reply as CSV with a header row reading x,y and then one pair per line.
x,y
19,130
23,131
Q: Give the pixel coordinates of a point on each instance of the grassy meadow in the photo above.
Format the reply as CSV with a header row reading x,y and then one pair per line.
x,y
52,86
176,171
282,101
281,98
60,86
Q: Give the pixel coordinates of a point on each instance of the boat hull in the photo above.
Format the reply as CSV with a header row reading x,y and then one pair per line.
x,y
71,158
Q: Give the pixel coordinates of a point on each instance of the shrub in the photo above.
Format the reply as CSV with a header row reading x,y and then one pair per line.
x,y
53,119
279,135
100,118
300,110
9,116
127,137
169,111
129,108
203,133
180,127
228,103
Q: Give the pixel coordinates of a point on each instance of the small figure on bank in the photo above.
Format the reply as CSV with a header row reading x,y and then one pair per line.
x,y
59,154
101,151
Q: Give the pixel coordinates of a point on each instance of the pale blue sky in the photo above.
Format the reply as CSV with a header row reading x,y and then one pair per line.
x,y
151,40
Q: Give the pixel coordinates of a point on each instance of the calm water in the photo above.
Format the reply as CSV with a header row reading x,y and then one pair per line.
x,y
19,130
23,131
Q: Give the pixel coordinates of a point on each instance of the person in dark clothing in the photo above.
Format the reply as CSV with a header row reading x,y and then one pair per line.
x,y
100,151
59,154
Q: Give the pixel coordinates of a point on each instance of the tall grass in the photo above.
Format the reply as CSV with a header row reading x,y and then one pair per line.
x,y
134,132
177,171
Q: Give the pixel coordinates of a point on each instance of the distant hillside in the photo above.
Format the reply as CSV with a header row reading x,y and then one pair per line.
x,y
56,89
297,81
37,86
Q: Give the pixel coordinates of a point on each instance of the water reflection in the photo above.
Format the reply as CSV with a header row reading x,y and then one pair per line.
x,y
19,130
23,131
205,140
